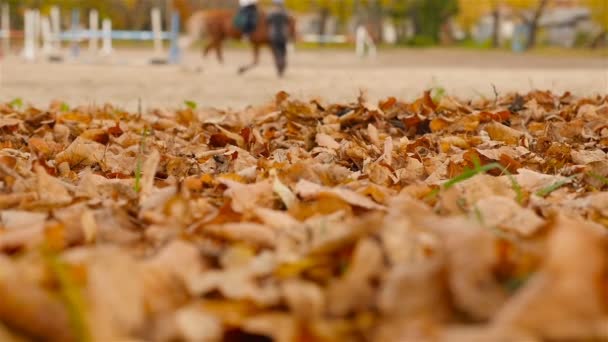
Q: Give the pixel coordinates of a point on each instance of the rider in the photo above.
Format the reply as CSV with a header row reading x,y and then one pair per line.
x,y
278,30
247,17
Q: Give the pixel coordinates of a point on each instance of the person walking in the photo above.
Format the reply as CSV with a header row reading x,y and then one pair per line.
x,y
278,31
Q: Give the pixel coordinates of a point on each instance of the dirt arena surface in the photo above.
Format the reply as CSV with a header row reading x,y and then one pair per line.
x,y
335,75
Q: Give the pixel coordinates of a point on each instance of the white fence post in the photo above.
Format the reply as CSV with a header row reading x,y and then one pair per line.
x,y
157,30
48,46
6,28
37,31
364,42
56,28
29,52
106,47
93,31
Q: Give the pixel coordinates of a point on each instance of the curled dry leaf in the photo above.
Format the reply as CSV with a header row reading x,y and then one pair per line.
x,y
81,152
500,132
309,190
325,140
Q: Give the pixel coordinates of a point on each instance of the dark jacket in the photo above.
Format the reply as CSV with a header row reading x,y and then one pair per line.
x,y
246,19
278,25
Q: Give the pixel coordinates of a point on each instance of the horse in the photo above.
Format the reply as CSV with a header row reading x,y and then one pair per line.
x,y
218,26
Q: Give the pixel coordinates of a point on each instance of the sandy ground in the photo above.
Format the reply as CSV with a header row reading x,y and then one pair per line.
x,y
330,74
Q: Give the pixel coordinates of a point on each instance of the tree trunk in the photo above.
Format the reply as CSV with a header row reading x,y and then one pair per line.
x,y
534,24
377,22
323,17
415,19
597,41
496,28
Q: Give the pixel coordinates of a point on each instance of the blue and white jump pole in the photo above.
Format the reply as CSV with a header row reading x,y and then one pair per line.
x,y
175,52
77,34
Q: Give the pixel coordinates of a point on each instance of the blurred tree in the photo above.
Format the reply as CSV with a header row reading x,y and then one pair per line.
x,y
530,12
599,12
470,12
428,17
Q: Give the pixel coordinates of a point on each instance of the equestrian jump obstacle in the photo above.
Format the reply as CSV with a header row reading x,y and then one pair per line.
x,y
49,29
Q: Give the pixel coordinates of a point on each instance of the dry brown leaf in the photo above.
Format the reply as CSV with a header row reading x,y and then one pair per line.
x,y
308,190
325,140
500,132
247,197
81,152
550,305
504,213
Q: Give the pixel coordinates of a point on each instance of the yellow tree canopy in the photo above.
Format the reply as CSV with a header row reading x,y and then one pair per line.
x,y
472,10
599,11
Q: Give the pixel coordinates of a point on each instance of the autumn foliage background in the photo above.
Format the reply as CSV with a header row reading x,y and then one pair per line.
x,y
428,16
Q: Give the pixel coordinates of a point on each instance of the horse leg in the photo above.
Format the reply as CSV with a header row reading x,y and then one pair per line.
x,y
220,52
207,49
256,60
217,46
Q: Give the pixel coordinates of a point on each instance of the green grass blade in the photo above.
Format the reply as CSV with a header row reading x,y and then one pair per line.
x,y
139,165
437,94
190,104
470,173
16,103
479,169
546,191
598,177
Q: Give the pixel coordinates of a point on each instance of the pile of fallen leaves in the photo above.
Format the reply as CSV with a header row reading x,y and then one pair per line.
x,y
436,220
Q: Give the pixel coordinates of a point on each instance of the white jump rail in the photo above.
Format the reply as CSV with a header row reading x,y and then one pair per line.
x,y
318,38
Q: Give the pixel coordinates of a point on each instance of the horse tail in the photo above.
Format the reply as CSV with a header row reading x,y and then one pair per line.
x,y
195,29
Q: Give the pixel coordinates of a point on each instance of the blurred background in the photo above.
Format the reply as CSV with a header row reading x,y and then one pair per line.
x,y
466,47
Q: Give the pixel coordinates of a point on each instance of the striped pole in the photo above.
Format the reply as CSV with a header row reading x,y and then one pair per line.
x,y
174,53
